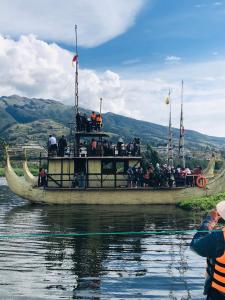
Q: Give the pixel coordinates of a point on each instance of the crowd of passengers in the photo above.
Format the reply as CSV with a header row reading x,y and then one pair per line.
x,y
162,176
106,148
94,148
88,123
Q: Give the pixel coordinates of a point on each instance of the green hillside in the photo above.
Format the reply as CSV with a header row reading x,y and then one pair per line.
x,y
23,119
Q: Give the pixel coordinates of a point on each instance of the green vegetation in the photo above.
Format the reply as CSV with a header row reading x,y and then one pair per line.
x,y
202,203
150,156
19,171
2,173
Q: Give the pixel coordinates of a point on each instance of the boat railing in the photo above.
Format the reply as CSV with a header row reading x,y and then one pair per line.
x,y
98,180
93,180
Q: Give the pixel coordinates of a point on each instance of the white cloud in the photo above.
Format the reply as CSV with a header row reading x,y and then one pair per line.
x,y
98,21
172,59
131,61
33,68
217,3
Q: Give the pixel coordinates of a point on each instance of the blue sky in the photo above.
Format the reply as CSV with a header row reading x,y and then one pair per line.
x,y
130,53
188,29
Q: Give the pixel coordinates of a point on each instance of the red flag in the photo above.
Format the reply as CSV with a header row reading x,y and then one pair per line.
x,y
75,58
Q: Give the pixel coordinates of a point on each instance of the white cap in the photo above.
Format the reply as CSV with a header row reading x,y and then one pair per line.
x,y
220,207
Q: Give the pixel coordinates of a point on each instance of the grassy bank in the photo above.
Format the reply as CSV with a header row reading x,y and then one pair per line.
x,y
19,171
202,203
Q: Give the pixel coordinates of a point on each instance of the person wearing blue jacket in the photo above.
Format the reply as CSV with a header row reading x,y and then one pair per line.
x,y
209,242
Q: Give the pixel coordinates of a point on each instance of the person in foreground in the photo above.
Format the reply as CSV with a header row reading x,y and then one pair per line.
x,y
211,244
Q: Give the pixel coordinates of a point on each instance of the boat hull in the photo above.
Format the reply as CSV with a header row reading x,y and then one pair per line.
x,y
132,196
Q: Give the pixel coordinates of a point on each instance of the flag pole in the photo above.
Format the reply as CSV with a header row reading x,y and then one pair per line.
x,y
170,134
181,139
76,137
76,78
100,110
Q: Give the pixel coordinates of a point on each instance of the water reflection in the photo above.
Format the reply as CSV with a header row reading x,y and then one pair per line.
x,y
96,267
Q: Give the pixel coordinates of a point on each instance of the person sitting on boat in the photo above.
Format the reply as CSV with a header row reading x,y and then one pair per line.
x,y
189,177
130,149
196,172
62,144
210,243
130,173
182,175
52,143
140,174
106,148
146,178
42,177
93,147
98,122
93,120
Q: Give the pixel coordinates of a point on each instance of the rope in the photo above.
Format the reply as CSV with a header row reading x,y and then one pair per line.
x,y
119,233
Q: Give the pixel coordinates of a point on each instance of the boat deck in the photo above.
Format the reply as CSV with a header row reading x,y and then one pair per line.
x,y
115,189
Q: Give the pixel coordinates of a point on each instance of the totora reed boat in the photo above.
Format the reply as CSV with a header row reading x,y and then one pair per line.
x,y
101,188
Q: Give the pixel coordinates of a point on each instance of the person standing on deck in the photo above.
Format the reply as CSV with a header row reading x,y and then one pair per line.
x,y
52,145
93,120
211,244
62,144
98,122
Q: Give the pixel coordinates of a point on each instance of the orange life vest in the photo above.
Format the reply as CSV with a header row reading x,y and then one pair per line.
x,y
99,119
218,277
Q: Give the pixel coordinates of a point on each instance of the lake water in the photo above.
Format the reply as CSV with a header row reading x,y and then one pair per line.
x,y
96,267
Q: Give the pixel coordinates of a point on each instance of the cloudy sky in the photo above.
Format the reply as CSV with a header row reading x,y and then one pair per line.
x,y
131,52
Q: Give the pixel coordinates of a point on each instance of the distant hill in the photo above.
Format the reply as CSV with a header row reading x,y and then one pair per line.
x,y
23,119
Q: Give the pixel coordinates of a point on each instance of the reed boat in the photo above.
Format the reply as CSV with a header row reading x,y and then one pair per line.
x,y
102,185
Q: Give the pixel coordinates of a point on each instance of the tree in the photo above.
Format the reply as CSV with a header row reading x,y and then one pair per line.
x,y
150,156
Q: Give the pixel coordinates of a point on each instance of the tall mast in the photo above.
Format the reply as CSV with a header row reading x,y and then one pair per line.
x,y
100,110
170,135
76,137
181,138
76,80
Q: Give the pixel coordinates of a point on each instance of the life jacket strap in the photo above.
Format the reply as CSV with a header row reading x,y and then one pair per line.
x,y
218,282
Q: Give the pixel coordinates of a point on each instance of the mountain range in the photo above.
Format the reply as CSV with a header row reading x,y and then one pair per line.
x,y
28,119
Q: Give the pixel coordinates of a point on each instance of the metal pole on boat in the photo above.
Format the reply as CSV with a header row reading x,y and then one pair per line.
x,y
170,134
76,142
76,76
181,138
100,110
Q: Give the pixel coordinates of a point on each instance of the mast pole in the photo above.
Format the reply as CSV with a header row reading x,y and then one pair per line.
x,y
76,78
170,135
181,139
76,138
100,110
